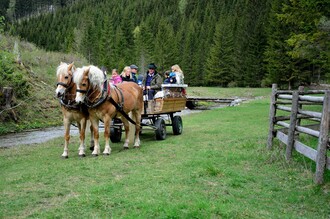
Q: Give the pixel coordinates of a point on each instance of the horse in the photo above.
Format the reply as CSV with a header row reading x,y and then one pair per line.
x,y
106,101
72,112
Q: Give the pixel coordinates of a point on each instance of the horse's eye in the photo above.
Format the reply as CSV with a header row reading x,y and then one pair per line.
x,y
84,85
66,77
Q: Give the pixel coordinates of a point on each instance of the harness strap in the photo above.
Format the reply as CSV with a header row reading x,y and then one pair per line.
x,y
120,109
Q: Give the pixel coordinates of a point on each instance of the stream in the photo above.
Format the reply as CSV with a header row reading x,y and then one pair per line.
x,y
46,134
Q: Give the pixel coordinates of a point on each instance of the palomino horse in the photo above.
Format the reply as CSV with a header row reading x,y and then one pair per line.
x,y
72,112
103,100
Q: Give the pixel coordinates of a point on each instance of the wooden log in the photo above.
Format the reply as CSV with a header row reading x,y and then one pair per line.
x,y
284,92
315,92
293,123
285,97
284,124
310,113
308,131
272,113
283,118
284,108
321,158
312,99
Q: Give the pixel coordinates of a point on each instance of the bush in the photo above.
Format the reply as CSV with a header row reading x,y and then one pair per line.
x,y
11,76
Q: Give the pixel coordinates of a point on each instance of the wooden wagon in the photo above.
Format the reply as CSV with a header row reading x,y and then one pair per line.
x,y
159,112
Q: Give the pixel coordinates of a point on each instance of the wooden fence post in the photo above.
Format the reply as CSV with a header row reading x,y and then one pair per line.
x,y
293,123
272,113
321,157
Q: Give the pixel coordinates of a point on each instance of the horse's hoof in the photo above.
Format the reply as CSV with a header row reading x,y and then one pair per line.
x,y
82,155
106,154
126,148
95,155
65,157
137,147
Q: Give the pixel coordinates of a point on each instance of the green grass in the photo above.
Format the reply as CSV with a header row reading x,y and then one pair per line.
x,y
218,168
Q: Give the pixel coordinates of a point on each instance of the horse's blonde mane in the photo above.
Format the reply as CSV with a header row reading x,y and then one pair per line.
x,y
95,76
62,69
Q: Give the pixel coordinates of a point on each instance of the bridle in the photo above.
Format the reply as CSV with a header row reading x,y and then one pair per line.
x,y
67,103
66,85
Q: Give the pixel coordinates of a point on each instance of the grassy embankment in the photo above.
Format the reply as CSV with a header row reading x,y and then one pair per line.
x,y
34,70
218,168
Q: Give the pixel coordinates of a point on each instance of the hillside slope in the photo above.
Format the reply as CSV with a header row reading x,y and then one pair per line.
x,y
32,74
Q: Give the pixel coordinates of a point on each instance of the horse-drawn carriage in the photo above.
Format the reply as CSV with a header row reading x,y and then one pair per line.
x,y
159,112
102,101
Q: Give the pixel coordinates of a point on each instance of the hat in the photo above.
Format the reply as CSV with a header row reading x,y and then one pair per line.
x,y
152,66
133,66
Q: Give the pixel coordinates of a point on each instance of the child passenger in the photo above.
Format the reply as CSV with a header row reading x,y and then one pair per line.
x,y
170,78
115,77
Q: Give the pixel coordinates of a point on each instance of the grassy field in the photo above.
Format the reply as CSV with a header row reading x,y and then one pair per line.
x,y
218,168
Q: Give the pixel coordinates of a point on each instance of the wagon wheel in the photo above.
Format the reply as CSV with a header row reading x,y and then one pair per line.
x,y
116,132
177,125
161,129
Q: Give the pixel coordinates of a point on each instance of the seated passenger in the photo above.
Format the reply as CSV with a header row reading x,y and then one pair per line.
x,y
115,77
152,81
170,78
126,74
178,74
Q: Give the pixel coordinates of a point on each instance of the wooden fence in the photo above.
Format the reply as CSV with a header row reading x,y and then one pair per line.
x,y
287,128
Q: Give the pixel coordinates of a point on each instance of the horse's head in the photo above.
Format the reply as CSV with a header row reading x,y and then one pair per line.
x,y
82,81
64,75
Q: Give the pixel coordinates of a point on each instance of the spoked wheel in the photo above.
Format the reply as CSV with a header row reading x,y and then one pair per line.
x,y
161,129
177,125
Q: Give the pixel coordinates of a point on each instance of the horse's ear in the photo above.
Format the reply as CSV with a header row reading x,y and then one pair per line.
x,y
72,67
61,63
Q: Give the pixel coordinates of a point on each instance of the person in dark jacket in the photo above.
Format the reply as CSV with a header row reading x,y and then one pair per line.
x,y
134,70
152,81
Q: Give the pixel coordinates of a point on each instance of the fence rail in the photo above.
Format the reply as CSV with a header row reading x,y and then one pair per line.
x,y
293,125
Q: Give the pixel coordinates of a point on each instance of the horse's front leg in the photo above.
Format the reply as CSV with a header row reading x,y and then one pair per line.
x,y
137,116
82,128
107,148
92,138
67,124
95,124
126,126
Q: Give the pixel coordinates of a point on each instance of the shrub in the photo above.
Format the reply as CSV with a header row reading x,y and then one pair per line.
x,y
11,76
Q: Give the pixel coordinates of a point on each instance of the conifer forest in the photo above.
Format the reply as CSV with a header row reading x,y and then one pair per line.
x,y
227,43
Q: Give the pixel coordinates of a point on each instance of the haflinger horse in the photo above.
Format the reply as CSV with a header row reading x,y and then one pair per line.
x,y
72,112
106,101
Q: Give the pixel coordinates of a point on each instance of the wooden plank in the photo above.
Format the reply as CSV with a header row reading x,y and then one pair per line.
x,y
305,150
282,137
321,159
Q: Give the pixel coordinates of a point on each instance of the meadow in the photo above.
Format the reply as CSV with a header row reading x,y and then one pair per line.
x,y
218,168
